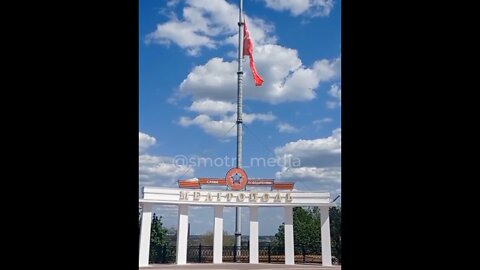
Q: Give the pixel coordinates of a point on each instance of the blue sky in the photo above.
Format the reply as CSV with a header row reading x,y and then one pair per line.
x,y
187,90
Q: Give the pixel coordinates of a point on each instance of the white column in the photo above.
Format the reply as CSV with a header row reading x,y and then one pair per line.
x,y
145,229
182,234
253,234
289,249
326,244
218,235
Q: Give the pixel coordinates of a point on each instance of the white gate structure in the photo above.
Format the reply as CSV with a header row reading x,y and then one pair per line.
x,y
218,199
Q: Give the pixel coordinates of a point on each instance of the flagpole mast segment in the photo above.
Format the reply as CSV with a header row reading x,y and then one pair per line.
x,y
238,215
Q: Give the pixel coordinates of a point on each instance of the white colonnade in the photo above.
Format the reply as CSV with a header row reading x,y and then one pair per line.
x,y
184,199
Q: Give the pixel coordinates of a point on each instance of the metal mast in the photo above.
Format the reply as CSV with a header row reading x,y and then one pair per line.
x,y
238,213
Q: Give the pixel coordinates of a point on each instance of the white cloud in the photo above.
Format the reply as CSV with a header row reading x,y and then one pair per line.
x,y
250,117
319,163
260,32
322,152
215,80
287,128
182,33
295,7
212,107
322,121
209,24
311,8
206,24
145,141
172,3
331,104
222,127
193,51
313,179
335,91
319,122
331,174
158,170
217,128
286,79
161,171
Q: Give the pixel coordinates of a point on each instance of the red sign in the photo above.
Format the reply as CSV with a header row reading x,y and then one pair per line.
x,y
236,178
260,182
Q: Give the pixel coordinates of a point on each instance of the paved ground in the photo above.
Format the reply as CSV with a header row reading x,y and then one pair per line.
x,y
242,266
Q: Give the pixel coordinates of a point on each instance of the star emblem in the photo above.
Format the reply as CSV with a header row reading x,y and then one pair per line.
x,y
236,178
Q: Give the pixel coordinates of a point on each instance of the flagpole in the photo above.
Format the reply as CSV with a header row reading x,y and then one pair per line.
x,y
238,215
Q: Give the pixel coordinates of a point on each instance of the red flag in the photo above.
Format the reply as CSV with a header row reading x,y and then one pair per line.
x,y
248,50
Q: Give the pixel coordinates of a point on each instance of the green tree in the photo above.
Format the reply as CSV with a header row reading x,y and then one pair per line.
x,y
306,230
158,238
159,233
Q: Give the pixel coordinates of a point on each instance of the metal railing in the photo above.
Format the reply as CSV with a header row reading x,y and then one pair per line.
x,y
266,254
163,254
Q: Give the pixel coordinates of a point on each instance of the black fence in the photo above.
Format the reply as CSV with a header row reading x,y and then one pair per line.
x,y
266,254
163,254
